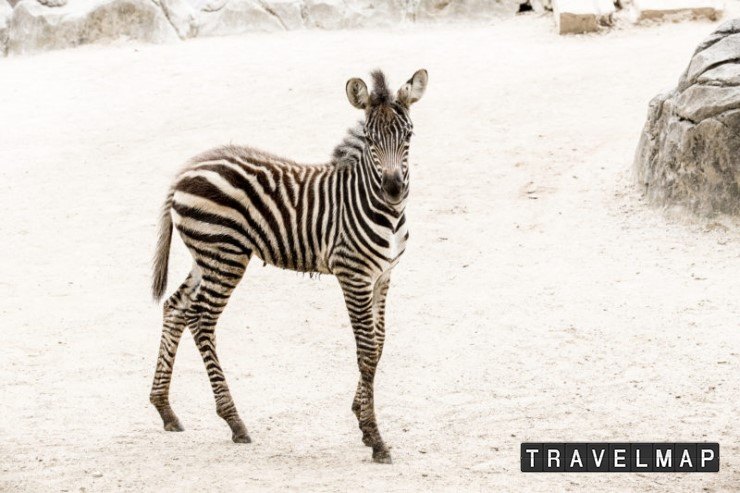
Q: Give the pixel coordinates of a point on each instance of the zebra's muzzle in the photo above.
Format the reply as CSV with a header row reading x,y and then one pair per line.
x,y
393,187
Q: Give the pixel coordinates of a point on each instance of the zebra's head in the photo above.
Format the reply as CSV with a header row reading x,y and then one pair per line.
x,y
388,128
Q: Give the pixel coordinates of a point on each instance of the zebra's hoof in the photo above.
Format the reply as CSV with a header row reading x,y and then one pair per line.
x,y
382,457
239,431
174,426
241,438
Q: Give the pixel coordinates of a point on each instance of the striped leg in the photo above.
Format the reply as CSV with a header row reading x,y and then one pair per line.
x,y
380,294
213,295
359,297
175,309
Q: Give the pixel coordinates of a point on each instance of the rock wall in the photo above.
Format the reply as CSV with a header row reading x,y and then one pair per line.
x,y
33,25
689,151
6,11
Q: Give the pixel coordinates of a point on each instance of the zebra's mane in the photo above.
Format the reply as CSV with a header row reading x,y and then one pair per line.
x,y
381,94
349,152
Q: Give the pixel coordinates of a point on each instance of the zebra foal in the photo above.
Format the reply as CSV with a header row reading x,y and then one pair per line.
x,y
345,218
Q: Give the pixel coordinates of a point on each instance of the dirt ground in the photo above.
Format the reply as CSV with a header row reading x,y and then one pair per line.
x,y
539,299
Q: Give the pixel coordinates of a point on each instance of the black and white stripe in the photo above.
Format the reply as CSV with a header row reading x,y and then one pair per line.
x,y
344,218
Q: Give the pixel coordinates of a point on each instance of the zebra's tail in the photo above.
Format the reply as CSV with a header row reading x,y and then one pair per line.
x,y
162,254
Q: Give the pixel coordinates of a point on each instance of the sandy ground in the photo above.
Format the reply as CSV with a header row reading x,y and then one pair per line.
x,y
539,298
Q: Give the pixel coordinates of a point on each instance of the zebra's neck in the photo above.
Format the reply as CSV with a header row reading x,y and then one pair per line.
x,y
349,152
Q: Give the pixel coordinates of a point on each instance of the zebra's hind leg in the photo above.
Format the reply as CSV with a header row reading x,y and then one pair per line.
x,y
216,286
359,298
174,309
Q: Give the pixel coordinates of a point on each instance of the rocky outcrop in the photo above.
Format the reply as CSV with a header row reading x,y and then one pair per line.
x,y
6,11
426,10
231,18
192,18
52,3
342,14
182,15
689,150
34,25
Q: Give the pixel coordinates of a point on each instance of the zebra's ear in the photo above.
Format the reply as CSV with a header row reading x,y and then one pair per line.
x,y
357,93
413,89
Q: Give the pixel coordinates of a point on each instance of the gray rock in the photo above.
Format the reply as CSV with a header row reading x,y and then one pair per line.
x,y
463,9
290,12
237,17
183,16
34,27
191,18
325,14
53,3
343,14
722,50
689,150
6,11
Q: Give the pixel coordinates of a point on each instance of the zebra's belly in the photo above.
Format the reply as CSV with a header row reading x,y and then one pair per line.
x,y
309,264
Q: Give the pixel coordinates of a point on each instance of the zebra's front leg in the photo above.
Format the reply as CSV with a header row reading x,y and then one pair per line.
x,y
380,293
359,298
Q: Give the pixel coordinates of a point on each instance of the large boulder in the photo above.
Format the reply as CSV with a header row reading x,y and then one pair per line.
x,y
34,26
689,150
